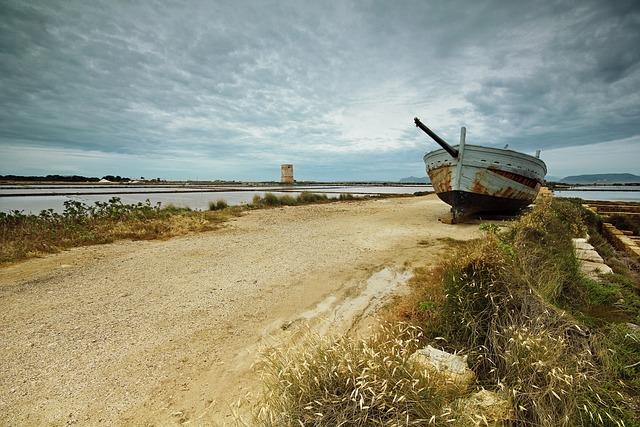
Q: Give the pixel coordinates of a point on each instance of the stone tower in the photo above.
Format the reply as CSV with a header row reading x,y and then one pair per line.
x,y
286,174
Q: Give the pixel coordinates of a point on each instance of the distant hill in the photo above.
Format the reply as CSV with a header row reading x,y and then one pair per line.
x,y
415,180
602,178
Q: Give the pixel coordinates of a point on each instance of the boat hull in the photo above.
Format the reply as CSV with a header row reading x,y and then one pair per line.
x,y
484,179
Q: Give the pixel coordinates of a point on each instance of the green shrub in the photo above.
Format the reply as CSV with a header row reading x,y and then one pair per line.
x,y
306,197
287,200
218,205
346,196
602,293
542,238
618,346
491,228
270,199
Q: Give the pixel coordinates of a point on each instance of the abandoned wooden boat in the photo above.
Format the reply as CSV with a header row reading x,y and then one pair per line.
x,y
473,179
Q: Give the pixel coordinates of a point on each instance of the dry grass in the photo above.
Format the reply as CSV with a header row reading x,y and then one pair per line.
x,y
24,236
511,302
503,300
339,381
422,305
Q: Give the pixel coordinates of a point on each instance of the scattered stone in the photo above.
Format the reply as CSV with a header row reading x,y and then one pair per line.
x,y
453,367
633,327
483,408
581,243
594,269
589,255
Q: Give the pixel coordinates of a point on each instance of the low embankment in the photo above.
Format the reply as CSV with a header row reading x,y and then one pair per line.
x,y
559,348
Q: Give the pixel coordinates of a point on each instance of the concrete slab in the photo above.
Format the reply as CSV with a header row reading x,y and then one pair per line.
x,y
594,269
589,255
582,244
591,263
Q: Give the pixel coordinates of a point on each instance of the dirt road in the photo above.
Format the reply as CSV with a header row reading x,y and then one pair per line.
x,y
165,332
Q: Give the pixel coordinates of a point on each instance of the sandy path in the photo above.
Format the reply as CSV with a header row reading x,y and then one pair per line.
x,y
164,332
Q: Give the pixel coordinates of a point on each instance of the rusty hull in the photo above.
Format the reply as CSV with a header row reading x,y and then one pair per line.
x,y
488,180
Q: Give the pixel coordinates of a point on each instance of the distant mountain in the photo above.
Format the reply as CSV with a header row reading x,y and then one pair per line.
x,y
602,178
415,180
550,178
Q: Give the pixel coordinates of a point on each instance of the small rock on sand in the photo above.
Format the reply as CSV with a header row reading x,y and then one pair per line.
x,y
453,367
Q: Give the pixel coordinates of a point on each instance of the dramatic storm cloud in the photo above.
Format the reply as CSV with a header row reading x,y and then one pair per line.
x,y
204,89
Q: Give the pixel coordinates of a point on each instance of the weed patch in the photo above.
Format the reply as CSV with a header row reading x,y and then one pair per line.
x,y
27,235
304,198
218,205
23,236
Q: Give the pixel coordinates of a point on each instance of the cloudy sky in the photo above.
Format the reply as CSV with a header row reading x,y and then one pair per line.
x,y
212,89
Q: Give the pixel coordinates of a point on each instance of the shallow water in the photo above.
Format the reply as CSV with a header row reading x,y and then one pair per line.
x,y
194,198
603,195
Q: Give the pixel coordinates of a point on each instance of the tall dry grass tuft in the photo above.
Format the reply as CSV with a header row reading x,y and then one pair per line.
x,y
505,304
333,381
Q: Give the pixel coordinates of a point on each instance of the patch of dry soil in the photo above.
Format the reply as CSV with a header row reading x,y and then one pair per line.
x,y
165,332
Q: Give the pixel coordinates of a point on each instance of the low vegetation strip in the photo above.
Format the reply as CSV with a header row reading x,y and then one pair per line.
x,y
304,198
23,235
534,329
27,235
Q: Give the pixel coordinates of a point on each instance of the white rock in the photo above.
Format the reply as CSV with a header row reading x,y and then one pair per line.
x,y
581,244
589,255
633,327
591,263
453,367
484,408
594,269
